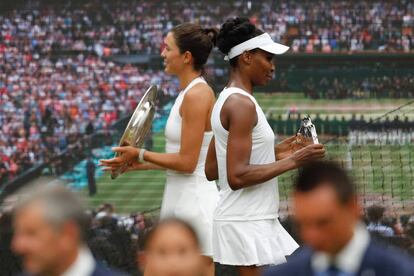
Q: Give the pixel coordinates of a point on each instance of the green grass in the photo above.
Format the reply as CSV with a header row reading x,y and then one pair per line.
x,y
136,191
133,191
376,169
267,100
279,103
385,170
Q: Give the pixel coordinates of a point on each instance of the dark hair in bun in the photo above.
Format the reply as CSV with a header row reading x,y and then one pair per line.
x,y
198,41
212,34
233,32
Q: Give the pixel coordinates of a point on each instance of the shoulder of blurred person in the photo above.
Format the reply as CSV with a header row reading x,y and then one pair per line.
x,y
85,262
386,261
328,215
298,264
378,260
102,270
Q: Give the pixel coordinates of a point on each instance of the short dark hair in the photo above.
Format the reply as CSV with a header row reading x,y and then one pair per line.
x,y
375,213
325,173
233,32
198,41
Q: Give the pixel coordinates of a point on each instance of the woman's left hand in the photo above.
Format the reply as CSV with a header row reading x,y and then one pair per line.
x,y
290,145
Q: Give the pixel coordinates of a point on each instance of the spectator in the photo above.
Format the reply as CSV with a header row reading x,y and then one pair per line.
x,y
172,248
375,215
328,215
49,227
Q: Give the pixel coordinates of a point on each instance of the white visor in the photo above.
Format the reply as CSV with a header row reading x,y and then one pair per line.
x,y
263,41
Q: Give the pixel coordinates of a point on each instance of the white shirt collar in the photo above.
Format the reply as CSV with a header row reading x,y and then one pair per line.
x,y
349,259
83,266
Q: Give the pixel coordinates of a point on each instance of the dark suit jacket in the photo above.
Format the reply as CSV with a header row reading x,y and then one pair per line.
x,y
101,270
378,260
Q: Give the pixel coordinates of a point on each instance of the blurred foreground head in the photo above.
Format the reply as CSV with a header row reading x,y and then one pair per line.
x,y
49,224
171,248
326,206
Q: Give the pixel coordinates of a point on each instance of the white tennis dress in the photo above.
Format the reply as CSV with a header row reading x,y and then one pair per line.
x,y
246,229
190,197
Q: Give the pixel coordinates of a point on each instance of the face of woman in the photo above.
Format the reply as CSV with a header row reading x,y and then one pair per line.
x,y
173,59
262,67
173,252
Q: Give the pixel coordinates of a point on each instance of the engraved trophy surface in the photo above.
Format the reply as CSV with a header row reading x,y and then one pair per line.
x,y
140,123
308,130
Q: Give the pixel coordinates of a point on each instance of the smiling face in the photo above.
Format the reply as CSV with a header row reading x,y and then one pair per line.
x,y
174,61
261,67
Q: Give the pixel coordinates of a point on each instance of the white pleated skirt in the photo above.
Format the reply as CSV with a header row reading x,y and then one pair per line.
x,y
248,243
193,199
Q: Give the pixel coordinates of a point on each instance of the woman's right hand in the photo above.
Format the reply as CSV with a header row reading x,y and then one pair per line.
x,y
127,155
307,154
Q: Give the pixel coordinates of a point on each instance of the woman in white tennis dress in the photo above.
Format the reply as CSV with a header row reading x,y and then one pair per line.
x,y
188,194
244,158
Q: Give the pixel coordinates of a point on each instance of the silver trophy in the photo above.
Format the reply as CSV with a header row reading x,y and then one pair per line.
x,y
308,130
139,124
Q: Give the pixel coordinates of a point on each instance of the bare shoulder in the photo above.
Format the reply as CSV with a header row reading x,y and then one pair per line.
x,y
239,102
240,110
200,91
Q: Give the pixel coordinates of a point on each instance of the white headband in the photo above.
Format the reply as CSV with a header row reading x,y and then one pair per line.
x,y
263,41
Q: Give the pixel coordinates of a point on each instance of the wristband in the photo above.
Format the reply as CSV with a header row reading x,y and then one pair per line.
x,y
141,155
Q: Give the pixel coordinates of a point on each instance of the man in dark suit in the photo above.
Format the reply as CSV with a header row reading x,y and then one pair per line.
x,y
337,243
49,227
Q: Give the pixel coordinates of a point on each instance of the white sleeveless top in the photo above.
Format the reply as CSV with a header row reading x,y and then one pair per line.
x,y
173,131
257,202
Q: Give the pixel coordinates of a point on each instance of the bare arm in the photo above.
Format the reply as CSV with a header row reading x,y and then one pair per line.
x,y
211,168
195,111
240,173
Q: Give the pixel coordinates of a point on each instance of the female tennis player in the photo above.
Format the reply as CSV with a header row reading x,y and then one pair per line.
x,y
188,194
244,159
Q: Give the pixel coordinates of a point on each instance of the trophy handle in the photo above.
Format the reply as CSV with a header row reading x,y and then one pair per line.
x,y
115,174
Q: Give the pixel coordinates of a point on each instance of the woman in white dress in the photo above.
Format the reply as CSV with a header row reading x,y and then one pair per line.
x,y
188,194
242,156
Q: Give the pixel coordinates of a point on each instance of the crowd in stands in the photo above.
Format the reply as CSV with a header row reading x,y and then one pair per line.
x,y
116,239
48,105
367,88
137,26
49,98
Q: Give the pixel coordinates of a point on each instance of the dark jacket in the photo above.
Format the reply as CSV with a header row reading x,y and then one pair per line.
x,y
378,260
